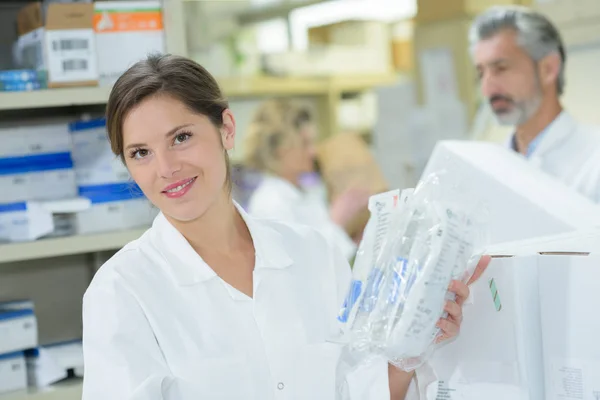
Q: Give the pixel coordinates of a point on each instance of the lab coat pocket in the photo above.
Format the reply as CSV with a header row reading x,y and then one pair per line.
x,y
225,378
315,371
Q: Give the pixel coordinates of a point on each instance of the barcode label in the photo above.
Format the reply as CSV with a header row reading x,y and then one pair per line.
x,y
70,44
75,65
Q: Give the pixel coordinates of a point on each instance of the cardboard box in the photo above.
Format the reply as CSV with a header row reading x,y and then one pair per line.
x,y
523,201
24,221
530,331
18,330
114,207
63,44
49,364
435,10
25,140
13,372
345,162
48,176
126,32
93,159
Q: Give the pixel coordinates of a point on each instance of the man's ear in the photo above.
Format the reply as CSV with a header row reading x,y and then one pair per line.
x,y
549,69
228,130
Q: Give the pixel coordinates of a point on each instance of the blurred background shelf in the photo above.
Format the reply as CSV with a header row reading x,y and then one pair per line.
x,y
232,87
55,247
68,390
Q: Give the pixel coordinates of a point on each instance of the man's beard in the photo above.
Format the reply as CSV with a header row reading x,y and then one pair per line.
x,y
520,112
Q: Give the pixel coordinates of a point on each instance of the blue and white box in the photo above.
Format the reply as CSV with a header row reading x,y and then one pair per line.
x,y
13,372
18,330
37,177
28,140
94,161
24,221
114,207
51,363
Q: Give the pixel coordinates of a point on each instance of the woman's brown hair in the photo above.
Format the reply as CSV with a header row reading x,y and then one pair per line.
x,y
170,75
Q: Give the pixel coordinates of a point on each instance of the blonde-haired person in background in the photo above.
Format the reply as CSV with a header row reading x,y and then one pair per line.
x,y
280,143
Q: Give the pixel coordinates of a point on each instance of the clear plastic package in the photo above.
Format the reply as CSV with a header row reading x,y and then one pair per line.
x,y
411,251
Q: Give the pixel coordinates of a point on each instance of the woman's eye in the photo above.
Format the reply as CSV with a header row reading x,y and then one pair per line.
x,y
139,154
182,137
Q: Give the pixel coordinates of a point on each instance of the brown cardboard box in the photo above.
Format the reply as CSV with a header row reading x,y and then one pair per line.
x,y
440,10
30,18
64,45
346,161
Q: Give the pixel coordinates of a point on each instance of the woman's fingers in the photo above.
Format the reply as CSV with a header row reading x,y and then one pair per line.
x,y
454,311
449,329
461,290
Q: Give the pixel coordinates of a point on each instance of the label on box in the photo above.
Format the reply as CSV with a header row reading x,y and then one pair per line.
x,y
573,379
71,55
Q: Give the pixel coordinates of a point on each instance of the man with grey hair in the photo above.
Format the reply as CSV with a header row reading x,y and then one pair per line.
x,y
520,59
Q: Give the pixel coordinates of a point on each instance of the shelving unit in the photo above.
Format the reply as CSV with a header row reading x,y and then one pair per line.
x,y
56,247
68,390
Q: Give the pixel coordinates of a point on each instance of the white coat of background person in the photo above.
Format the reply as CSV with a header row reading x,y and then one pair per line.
x,y
211,303
521,60
280,143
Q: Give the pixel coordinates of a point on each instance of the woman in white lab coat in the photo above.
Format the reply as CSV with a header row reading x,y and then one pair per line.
x,y
280,143
211,303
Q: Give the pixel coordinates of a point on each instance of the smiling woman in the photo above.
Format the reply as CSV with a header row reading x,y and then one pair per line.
x,y
210,303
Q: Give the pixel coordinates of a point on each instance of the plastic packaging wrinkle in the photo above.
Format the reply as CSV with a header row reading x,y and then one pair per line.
x,y
415,243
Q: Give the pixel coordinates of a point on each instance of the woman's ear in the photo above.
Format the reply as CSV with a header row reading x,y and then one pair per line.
x,y
228,130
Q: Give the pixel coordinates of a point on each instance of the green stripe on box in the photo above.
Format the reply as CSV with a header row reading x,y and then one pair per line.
x,y
495,295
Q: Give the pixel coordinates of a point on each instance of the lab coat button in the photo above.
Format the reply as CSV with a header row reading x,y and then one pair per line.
x,y
280,386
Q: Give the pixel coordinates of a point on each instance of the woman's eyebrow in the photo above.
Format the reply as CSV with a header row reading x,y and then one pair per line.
x,y
167,135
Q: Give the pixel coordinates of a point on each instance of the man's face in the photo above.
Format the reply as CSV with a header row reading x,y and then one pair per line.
x,y
509,78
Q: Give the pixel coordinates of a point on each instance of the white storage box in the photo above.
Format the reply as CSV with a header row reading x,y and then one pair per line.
x,y
114,207
126,32
13,372
523,201
37,177
95,163
49,364
34,139
18,330
24,221
531,330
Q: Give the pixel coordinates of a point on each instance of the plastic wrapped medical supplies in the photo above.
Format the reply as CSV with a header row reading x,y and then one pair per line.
x,y
415,244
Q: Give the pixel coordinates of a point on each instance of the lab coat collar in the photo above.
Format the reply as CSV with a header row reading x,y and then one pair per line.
x,y
559,130
284,188
188,268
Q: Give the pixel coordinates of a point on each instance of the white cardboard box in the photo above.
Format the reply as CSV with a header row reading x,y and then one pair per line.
x,y
126,32
13,372
523,201
114,207
49,364
95,163
18,330
34,139
65,46
530,332
24,221
37,177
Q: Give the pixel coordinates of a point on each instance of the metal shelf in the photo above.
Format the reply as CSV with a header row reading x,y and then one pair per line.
x,y
67,390
55,247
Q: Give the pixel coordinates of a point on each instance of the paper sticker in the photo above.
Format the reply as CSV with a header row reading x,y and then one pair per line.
x,y
573,379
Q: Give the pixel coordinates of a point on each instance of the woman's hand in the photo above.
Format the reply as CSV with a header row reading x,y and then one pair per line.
x,y
450,325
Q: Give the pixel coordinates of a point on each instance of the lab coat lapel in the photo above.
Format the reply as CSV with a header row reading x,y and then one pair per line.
x,y
186,266
559,130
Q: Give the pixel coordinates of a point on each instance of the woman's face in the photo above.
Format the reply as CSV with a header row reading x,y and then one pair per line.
x,y
176,156
299,156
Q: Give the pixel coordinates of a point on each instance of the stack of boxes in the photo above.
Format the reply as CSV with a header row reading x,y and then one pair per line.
x,y
81,43
18,332
35,165
117,202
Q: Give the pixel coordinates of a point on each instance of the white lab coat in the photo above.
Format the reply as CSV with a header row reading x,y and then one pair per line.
x,y
276,198
159,324
570,152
